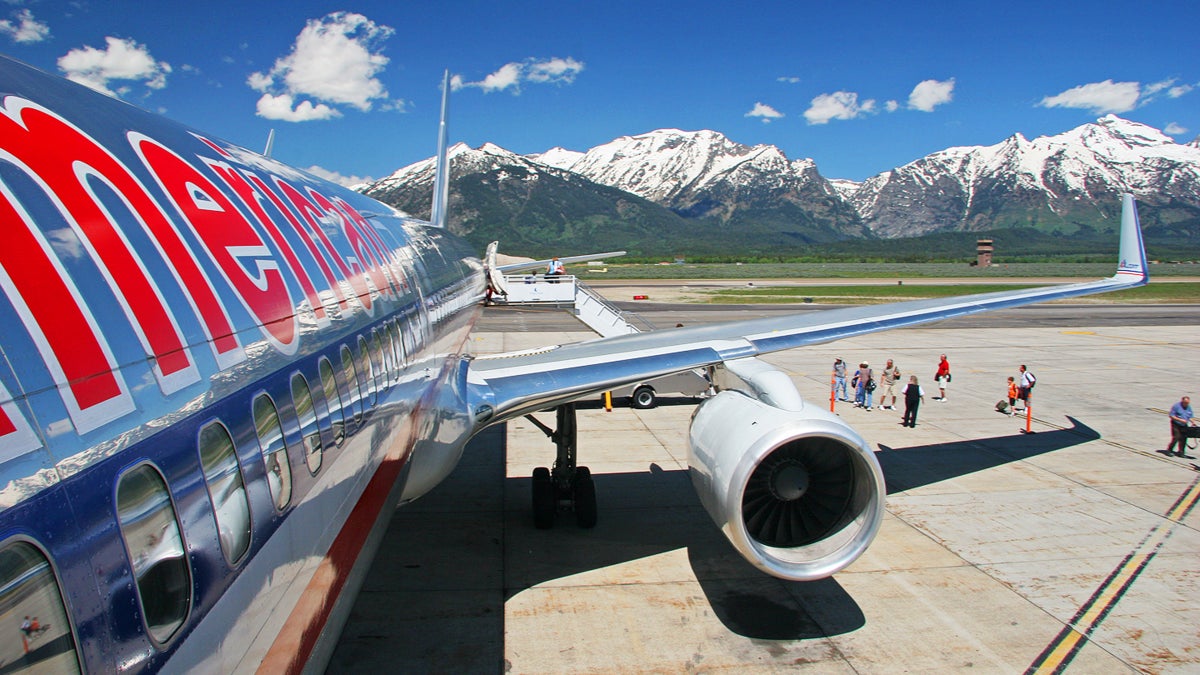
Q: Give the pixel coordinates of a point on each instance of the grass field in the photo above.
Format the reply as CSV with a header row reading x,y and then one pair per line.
x,y
1173,293
865,270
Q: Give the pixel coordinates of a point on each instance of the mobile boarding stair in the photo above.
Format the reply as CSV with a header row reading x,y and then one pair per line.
x,y
569,293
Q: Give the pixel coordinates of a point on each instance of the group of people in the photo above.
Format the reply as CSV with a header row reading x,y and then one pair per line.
x,y
1019,390
864,385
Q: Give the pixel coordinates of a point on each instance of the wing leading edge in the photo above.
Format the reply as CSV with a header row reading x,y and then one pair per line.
x,y
505,386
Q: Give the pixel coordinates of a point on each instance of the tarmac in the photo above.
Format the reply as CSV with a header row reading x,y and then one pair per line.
x,y
1071,549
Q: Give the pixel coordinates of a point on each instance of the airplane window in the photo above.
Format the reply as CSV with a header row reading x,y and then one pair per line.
x,y
333,400
351,374
29,594
380,361
367,375
155,545
274,451
397,348
228,492
307,415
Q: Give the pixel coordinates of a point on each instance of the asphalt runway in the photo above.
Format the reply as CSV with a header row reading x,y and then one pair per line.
x,y
1072,549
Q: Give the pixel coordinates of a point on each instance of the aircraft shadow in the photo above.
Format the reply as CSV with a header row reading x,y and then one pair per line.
x,y
435,598
919,465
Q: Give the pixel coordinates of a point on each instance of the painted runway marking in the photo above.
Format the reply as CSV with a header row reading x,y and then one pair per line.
x,y
1067,644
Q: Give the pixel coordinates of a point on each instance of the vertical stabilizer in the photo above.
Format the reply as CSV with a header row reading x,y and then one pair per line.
x,y
441,180
1132,254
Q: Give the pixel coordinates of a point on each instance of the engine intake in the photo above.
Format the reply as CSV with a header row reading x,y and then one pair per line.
x,y
798,492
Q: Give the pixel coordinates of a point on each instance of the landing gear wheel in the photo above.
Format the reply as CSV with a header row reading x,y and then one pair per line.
x,y
545,502
583,493
643,397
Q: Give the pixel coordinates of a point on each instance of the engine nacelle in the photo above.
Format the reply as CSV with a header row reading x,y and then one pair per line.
x,y
798,492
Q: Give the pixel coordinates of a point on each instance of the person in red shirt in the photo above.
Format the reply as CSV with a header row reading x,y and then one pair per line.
x,y
942,378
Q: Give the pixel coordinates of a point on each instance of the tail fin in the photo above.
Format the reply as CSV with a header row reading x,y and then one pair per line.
x,y
441,180
1132,254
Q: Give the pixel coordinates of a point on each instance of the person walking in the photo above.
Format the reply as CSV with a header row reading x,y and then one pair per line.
x,y
942,377
1012,396
913,395
887,385
1181,419
866,386
839,379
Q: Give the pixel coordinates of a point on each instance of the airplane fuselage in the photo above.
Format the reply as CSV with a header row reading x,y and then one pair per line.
x,y
215,373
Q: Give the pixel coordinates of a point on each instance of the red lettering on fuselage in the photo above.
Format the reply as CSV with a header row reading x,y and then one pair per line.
x,y
70,166
367,258
252,196
386,260
312,216
227,236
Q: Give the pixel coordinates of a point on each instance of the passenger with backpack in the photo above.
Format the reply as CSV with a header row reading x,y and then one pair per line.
x,y
1025,387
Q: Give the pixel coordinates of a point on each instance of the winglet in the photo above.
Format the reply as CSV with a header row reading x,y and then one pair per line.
x,y
1132,254
441,180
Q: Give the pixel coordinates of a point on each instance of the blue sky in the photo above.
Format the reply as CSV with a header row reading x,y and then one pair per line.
x,y
862,87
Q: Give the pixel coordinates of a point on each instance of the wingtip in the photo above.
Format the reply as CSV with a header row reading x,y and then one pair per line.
x,y
1131,265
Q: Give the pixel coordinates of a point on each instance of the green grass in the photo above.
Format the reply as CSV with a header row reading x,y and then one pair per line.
x,y
617,270
1172,293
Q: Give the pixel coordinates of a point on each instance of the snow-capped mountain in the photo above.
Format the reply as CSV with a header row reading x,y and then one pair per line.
x,y
1061,183
533,207
703,174
701,191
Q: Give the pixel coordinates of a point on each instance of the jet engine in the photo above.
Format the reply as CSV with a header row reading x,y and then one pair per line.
x,y
798,492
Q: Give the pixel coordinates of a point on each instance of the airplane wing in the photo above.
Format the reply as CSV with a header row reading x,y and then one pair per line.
x,y
541,264
505,386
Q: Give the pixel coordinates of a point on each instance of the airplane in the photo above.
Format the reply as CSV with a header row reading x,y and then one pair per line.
x,y
220,375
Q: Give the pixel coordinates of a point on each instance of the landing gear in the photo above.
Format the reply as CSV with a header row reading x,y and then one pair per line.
x,y
568,486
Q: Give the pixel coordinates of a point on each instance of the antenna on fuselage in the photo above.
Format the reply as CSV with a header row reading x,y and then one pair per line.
x,y
441,179
270,143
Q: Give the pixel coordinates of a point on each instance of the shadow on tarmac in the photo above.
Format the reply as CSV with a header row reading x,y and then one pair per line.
x,y
434,600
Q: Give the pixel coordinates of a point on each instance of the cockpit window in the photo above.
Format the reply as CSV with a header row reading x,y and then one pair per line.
x,y
307,415
151,532
224,479
29,593
274,450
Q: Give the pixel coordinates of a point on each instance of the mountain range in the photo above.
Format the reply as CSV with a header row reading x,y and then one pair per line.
x,y
700,193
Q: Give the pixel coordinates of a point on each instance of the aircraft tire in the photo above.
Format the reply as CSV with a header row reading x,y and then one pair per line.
x,y
583,493
544,502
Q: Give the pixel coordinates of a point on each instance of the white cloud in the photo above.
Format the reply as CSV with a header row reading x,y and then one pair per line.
x,y
556,70
788,80
764,111
1176,92
892,106
26,29
335,60
841,105
284,107
512,75
1099,97
335,177
509,75
931,93
120,60
1174,129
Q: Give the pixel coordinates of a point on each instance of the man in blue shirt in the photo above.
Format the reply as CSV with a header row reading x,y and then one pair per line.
x,y
1181,419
